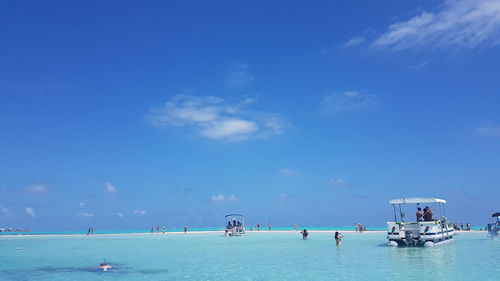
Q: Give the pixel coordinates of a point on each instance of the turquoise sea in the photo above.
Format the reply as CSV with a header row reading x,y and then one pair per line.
x,y
327,228
256,256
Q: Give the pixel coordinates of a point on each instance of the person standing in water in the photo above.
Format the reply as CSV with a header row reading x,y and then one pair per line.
x,y
269,226
304,234
185,229
258,226
338,238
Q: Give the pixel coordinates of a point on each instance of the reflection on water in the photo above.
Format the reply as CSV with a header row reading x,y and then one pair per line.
x,y
416,260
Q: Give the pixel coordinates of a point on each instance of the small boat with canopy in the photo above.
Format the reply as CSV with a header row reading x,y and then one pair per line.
x,y
235,225
494,227
425,230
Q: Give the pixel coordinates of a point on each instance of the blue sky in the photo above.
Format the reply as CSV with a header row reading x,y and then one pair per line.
x,y
125,115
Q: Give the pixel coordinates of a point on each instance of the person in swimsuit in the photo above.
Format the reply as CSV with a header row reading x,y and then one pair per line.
x,y
338,238
104,266
304,234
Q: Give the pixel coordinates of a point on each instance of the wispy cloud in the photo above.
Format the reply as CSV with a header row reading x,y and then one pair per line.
x,y
289,172
6,212
30,211
110,188
140,212
222,197
339,182
459,23
347,101
85,215
285,196
240,74
120,214
214,118
419,65
489,131
37,188
355,41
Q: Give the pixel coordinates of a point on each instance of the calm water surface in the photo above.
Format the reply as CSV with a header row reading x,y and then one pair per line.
x,y
257,256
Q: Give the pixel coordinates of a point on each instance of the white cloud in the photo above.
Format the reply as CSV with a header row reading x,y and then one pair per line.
x,y
85,215
82,204
214,118
355,41
30,211
347,101
339,182
37,188
489,131
289,172
6,212
218,197
234,128
240,74
120,214
222,197
140,212
110,188
459,23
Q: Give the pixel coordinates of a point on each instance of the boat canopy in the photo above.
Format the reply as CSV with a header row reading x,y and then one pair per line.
x,y
416,201
233,215
495,215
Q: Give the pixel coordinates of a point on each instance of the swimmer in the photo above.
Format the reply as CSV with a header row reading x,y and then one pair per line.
x,y
105,266
338,238
304,234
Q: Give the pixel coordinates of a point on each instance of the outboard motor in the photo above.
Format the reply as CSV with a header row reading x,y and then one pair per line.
x,y
409,238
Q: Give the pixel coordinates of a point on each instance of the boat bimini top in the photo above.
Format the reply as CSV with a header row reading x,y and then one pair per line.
x,y
398,208
416,201
233,215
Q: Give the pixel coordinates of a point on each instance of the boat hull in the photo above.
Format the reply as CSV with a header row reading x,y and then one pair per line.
x,y
494,230
419,234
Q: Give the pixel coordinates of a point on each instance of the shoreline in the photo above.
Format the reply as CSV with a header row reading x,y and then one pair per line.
x,y
204,232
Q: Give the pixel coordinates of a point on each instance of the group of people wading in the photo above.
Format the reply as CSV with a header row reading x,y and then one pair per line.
x,y
338,236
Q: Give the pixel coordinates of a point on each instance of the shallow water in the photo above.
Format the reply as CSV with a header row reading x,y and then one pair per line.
x,y
257,256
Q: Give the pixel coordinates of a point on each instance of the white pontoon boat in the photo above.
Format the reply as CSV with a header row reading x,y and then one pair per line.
x,y
235,225
424,230
494,228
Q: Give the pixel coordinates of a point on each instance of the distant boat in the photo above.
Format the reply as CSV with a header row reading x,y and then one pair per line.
x,y
427,231
494,227
235,225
